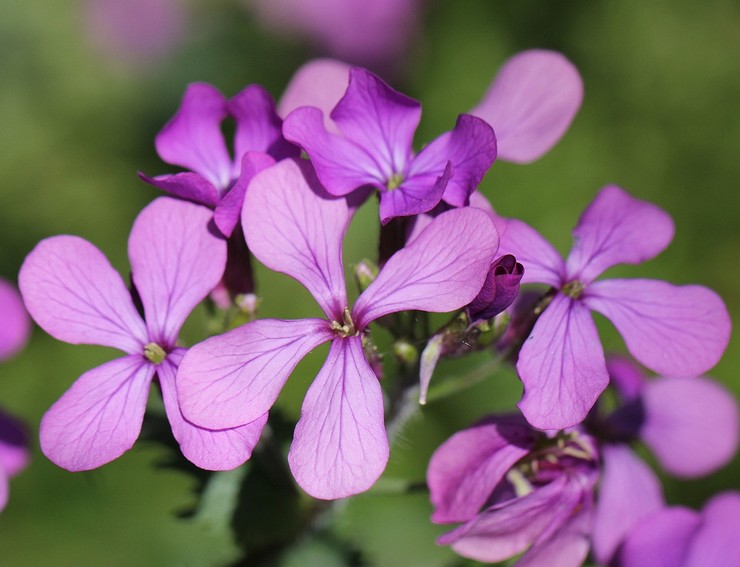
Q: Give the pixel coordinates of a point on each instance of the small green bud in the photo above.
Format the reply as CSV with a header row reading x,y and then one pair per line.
x,y
405,352
365,272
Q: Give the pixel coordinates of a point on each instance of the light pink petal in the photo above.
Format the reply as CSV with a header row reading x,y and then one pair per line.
x,y
531,103
320,83
542,263
15,325
190,186
76,296
14,445
716,542
691,424
209,449
442,269
340,446
192,138
562,366
466,468
176,260
615,229
233,379
660,539
629,491
341,164
229,209
99,418
675,331
293,227
416,195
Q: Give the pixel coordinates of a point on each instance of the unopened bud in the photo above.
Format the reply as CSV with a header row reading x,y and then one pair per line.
x,y
405,352
247,304
365,272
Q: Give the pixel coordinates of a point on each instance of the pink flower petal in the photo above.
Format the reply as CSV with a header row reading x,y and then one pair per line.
x,y
442,269
190,186
214,450
562,366
14,445
99,418
629,491
320,83
192,138
531,103
74,294
715,542
15,325
660,539
176,260
233,379
293,227
626,376
416,195
691,424
466,468
615,229
340,446
675,331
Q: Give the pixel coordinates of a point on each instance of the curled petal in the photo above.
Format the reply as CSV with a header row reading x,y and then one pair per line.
x,y
416,195
615,229
99,418
293,227
691,424
215,450
189,186
499,290
531,103
192,138
660,539
15,326
562,366
233,379
715,542
442,269
176,260
542,263
340,446
76,296
675,331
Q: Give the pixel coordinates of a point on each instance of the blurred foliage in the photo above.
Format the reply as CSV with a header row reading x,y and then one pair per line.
x,y
659,118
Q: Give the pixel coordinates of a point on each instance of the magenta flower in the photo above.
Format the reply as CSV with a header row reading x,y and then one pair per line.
x,y
14,453
517,491
340,446
377,126
675,331
15,326
74,294
499,290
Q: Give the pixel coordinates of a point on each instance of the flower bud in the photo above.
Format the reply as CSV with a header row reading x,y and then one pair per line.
x,y
499,290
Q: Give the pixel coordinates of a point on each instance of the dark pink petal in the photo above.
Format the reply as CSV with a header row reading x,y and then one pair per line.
x,y
340,446
442,269
293,227
660,539
209,449
190,186
416,195
229,209
615,229
379,119
691,424
176,260
466,468
192,138
542,263
15,325
99,418
341,164
716,541
470,147
320,83
625,376
531,103
233,379
14,445
258,127
675,331
629,491
562,366
499,290
74,294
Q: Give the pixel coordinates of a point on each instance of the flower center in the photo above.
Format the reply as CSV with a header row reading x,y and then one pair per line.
x,y
573,289
347,327
154,353
395,181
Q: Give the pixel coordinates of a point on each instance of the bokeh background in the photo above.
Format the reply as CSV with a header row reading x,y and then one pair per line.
x,y
87,84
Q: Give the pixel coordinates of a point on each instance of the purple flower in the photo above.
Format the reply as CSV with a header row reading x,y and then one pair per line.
x,y
14,453
517,490
15,326
74,294
340,445
680,537
377,126
675,331
499,290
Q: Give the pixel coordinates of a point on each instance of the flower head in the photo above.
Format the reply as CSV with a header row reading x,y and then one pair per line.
x,y
15,325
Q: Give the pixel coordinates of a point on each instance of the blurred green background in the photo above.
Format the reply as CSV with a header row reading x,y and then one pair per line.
x,y
660,118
